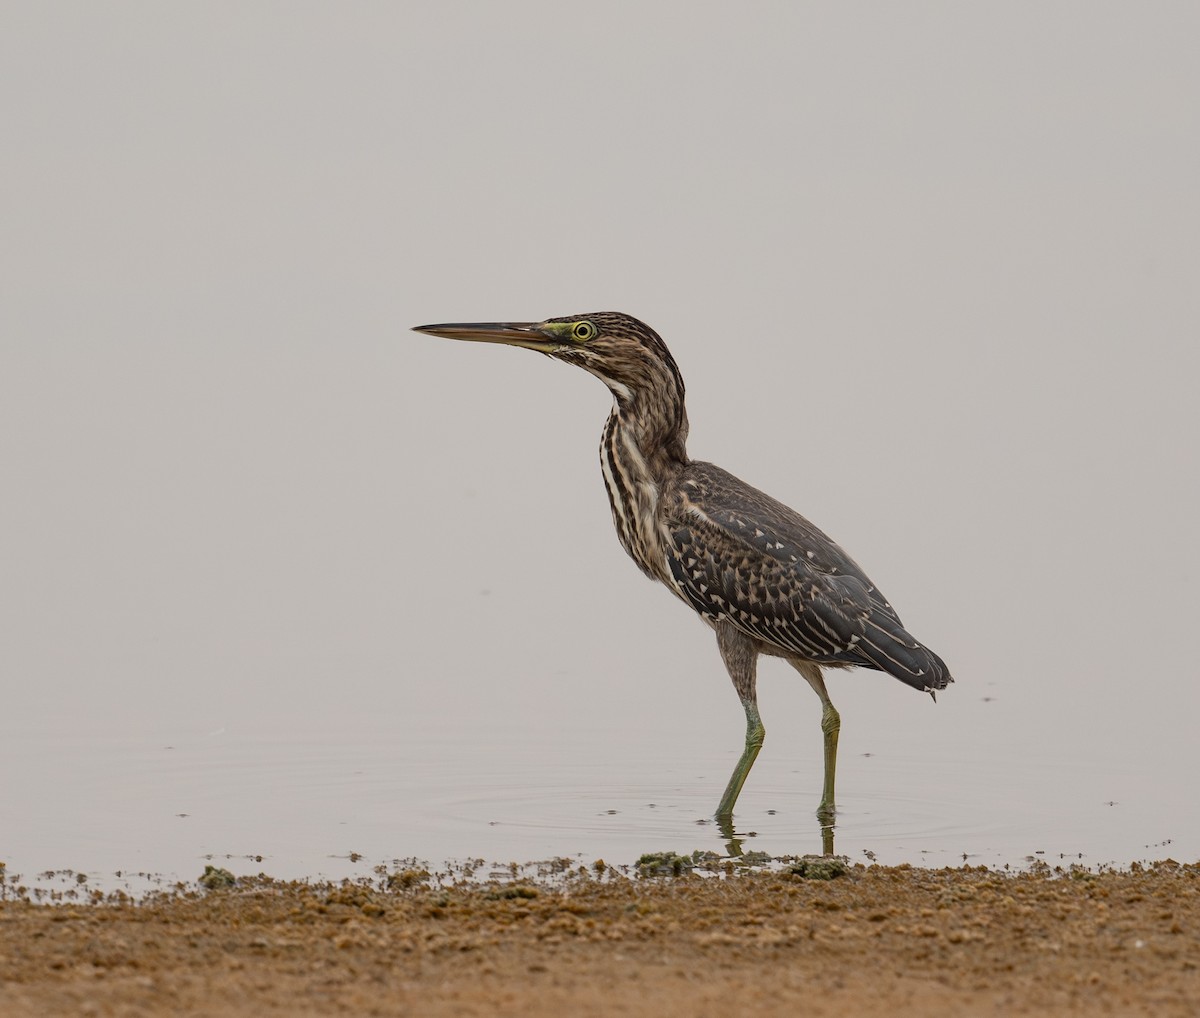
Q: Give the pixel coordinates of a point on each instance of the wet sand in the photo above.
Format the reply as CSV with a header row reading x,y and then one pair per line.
x,y
870,940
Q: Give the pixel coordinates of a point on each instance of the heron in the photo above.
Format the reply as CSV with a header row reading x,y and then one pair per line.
x,y
764,578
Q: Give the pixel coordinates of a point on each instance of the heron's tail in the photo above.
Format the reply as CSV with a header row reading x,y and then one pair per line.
x,y
892,649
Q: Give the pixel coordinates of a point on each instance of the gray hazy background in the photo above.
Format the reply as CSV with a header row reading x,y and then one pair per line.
x,y
929,270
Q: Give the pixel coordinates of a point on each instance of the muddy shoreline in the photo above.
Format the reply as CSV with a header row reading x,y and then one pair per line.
x,y
593,940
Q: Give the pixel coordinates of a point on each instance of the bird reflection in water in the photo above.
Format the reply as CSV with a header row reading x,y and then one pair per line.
x,y
734,839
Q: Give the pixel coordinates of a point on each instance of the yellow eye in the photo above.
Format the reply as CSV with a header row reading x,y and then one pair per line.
x,y
583,331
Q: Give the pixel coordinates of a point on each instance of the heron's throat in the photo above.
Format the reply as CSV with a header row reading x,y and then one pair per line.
x,y
648,406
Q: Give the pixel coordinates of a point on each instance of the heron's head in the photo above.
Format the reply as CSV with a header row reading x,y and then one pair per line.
x,y
625,354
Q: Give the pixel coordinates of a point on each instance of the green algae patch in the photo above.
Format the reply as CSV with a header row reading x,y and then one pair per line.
x,y
215,878
820,867
664,864
671,864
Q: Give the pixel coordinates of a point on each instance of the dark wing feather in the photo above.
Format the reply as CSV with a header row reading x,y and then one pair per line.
x,y
740,555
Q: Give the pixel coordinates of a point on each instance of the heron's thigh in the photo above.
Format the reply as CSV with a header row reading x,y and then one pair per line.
x,y
740,655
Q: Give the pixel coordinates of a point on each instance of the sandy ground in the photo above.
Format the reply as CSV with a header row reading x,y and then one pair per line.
x,y
871,941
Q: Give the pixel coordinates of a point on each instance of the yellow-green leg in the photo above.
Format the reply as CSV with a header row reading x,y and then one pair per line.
x,y
740,655
754,741
831,724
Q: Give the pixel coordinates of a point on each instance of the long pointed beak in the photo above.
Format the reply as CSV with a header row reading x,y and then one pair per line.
x,y
526,334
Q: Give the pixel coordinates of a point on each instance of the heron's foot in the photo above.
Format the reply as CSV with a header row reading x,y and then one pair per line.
x,y
725,809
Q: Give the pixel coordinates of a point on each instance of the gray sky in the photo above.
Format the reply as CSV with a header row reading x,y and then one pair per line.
x,y
929,270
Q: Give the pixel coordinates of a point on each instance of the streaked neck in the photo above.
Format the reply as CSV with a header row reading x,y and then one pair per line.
x,y
640,451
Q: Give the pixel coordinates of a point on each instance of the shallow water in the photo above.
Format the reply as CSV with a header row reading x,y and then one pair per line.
x,y
334,791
